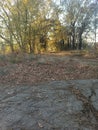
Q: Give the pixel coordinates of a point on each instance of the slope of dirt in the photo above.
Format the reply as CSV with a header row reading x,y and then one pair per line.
x,y
32,69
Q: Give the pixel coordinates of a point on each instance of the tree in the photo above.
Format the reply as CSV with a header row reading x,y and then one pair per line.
x,y
20,19
78,18
6,28
94,7
31,27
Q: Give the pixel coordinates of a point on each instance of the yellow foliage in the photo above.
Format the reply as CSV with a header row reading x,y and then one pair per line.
x,y
52,47
5,49
25,1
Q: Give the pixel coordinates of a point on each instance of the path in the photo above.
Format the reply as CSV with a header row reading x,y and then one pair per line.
x,y
48,106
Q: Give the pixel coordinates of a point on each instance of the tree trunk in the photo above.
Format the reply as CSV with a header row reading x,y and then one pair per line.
x,y
30,48
69,42
73,35
11,47
11,43
73,42
80,41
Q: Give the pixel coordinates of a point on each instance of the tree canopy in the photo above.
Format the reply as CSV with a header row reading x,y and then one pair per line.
x,y
43,25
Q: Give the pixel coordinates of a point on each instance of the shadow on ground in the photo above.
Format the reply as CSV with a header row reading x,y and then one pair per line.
x,y
56,105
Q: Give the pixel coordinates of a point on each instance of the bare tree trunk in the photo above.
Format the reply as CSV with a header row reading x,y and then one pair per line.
x,y
73,35
73,42
11,43
80,41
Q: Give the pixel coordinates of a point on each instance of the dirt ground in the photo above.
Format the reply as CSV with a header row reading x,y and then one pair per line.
x,y
33,69
56,105
54,92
